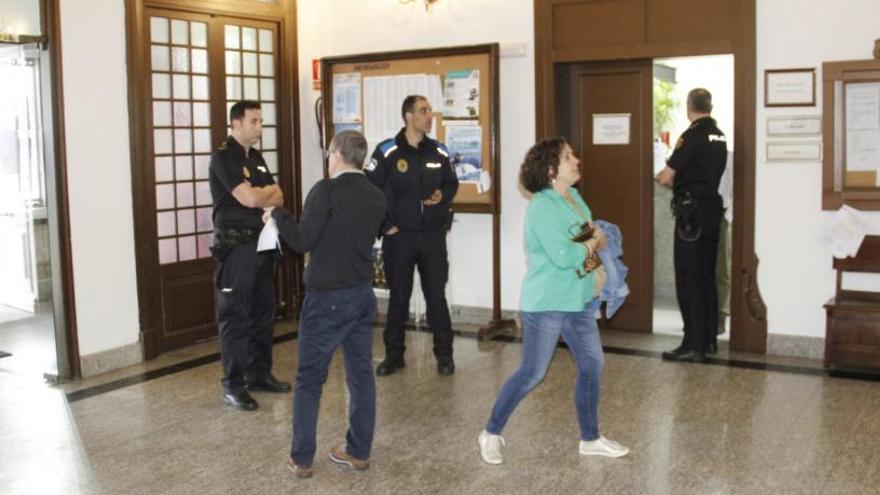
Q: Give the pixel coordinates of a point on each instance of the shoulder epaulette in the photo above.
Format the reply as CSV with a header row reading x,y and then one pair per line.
x,y
387,147
442,149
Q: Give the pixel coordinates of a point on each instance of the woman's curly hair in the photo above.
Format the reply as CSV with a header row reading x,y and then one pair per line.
x,y
542,161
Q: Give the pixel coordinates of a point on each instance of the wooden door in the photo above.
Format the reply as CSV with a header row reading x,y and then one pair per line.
x,y
197,66
616,170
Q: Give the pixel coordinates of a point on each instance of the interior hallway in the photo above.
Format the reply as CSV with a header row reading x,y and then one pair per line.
x,y
716,428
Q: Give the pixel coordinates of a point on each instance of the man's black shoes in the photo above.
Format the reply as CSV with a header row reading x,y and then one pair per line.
x,y
445,366
270,384
389,366
240,400
683,356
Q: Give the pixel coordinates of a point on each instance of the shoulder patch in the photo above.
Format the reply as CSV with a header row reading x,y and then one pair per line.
x,y
442,149
369,167
679,143
387,146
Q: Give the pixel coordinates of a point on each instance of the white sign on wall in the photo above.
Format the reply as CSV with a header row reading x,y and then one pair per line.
x,y
611,128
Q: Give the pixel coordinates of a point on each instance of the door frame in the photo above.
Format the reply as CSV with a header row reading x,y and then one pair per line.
x,y
283,13
747,308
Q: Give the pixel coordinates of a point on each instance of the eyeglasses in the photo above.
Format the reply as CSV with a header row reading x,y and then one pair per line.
x,y
424,110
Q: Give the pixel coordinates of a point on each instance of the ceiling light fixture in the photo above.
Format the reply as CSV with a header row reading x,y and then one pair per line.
x,y
428,3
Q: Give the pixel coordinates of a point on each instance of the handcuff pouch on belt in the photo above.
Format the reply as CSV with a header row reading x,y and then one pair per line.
x,y
593,261
225,240
685,209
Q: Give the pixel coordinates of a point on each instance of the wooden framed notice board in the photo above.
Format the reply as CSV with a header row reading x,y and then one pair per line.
x,y
851,134
365,93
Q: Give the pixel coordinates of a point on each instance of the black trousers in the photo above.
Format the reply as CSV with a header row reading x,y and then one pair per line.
x,y
246,312
695,286
403,252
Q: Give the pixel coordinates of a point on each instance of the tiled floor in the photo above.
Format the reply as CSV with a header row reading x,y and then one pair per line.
x,y
692,429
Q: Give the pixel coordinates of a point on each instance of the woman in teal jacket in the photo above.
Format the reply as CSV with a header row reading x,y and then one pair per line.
x,y
555,295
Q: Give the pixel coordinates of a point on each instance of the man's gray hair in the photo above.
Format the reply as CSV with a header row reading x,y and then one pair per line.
x,y
352,145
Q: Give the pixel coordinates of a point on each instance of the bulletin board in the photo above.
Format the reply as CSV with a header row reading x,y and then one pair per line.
x,y
474,195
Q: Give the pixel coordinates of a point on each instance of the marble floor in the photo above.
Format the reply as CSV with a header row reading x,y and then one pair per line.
x,y
692,428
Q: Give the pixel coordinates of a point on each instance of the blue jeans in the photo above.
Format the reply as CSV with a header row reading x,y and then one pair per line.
x,y
329,319
541,330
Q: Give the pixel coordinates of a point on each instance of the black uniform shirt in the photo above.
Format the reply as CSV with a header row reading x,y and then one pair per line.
x,y
229,168
409,176
699,159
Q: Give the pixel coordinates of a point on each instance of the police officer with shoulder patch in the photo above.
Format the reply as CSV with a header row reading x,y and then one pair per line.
x,y
419,183
694,171
241,186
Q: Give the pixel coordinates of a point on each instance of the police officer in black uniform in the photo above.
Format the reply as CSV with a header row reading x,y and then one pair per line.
x,y
241,186
694,171
419,183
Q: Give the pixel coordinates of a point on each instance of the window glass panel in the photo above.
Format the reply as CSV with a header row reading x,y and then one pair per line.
x,y
161,86
164,169
165,224
268,113
233,89
266,41
249,38
228,109
202,164
162,113
182,114
267,65
182,141
249,64
167,251
179,32
158,30
187,246
200,88
204,222
201,114
268,141
164,196
159,55
233,62
204,242
199,33
271,158
232,37
203,193
183,166
161,141
180,59
202,140
267,89
186,222
199,61
181,86
184,194
251,90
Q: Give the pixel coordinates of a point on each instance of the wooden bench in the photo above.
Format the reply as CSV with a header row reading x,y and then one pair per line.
x,y
852,328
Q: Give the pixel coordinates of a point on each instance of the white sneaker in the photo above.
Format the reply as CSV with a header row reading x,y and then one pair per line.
x,y
490,447
602,446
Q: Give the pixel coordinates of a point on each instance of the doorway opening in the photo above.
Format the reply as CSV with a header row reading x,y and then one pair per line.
x,y
673,78
27,289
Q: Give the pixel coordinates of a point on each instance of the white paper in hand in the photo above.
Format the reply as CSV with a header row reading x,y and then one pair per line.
x,y
268,237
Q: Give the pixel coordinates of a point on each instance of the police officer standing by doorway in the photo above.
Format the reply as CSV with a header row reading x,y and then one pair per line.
x,y
241,186
419,184
694,171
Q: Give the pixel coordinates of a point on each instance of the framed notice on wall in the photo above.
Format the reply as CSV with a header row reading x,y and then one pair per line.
x,y
790,87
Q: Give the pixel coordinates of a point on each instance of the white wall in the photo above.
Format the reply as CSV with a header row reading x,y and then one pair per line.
x,y
343,27
795,272
20,16
99,173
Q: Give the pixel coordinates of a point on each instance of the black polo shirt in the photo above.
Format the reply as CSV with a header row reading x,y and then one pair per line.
x,y
699,159
409,175
229,168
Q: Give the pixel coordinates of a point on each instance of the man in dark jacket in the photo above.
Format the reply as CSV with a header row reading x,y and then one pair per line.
x,y
419,184
340,219
694,171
